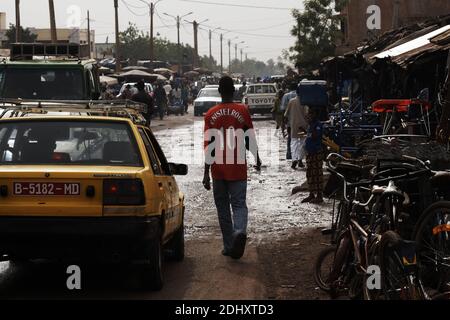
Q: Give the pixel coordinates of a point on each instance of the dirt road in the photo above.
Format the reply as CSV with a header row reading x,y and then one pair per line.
x,y
284,237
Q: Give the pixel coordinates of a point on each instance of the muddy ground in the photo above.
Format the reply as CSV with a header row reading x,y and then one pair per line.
x,y
284,233
284,236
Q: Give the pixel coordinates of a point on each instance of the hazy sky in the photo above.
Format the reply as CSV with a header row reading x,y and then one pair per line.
x,y
265,31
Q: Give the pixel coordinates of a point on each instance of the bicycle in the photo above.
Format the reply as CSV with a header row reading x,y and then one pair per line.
x,y
374,243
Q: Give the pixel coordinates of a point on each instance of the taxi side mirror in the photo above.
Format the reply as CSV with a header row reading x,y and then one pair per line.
x,y
178,169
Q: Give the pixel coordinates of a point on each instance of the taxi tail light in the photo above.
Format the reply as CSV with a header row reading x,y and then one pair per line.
x,y
123,192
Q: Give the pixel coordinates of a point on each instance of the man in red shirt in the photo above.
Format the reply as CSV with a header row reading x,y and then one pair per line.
x,y
228,134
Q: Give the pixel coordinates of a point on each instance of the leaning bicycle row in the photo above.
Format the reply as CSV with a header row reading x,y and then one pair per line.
x,y
390,231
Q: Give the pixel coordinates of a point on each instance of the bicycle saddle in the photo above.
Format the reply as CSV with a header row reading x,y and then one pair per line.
x,y
376,190
391,190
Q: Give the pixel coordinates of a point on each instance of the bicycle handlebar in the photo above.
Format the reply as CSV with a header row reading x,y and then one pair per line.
x,y
424,164
374,182
336,155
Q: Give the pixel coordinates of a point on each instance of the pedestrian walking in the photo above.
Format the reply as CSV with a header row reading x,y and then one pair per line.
x,y
277,113
228,166
297,122
242,91
161,100
314,158
283,107
185,98
143,97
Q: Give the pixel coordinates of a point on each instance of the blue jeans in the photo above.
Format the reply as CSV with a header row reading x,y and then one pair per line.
x,y
231,195
289,153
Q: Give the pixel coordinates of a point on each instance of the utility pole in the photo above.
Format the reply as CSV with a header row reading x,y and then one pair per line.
x,y
89,34
195,24
18,27
229,57
180,55
151,7
210,46
196,61
52,21
152,44
116,10
180,58
221,53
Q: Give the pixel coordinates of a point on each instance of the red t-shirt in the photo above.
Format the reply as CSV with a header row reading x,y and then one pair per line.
x,y
222,122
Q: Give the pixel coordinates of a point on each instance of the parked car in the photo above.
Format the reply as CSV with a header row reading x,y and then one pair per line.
x,y
90,188
260,98
207,98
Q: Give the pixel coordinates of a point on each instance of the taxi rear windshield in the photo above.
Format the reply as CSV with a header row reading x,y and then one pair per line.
x,y
42,84
68,143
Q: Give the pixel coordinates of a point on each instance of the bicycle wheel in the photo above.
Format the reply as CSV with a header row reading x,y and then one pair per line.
x,y
341,272
399,280
433,245
342,220
370,290
323,268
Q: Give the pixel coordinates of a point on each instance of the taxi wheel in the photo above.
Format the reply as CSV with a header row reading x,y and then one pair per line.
x,y
176,245
153,268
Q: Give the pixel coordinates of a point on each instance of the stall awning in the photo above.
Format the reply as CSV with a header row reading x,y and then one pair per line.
x,y
413,44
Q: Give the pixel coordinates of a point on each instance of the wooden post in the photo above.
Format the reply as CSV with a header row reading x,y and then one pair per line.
x,y
195,24
221,53
152,44
116,10
18,27
89,34
51,7
210,45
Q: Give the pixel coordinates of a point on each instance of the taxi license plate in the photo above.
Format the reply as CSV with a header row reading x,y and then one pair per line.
x,y
46,189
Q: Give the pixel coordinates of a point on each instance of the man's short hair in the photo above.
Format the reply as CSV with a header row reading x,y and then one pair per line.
x,y
140,85
226,86
293,86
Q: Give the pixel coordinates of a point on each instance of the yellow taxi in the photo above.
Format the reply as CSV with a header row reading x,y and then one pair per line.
x,y
83,184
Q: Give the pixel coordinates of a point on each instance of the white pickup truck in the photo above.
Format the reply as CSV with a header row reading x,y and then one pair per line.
x,y
260,97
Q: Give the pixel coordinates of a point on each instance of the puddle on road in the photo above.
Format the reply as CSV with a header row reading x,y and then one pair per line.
x,y
273,212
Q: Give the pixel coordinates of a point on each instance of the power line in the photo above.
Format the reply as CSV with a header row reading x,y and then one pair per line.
x,y
137,7
185,29
264,51
251,34
160,18
265,28
129,9
201,34
236,5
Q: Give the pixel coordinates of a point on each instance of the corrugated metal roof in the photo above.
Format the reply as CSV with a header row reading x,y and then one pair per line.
x,y
413,45
441,39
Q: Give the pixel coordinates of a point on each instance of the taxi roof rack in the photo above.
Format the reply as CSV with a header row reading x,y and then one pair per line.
x,y
26,51
107,108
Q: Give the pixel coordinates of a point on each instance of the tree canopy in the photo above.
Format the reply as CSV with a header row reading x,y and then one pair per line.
x,y
26,35
317,31
135,45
